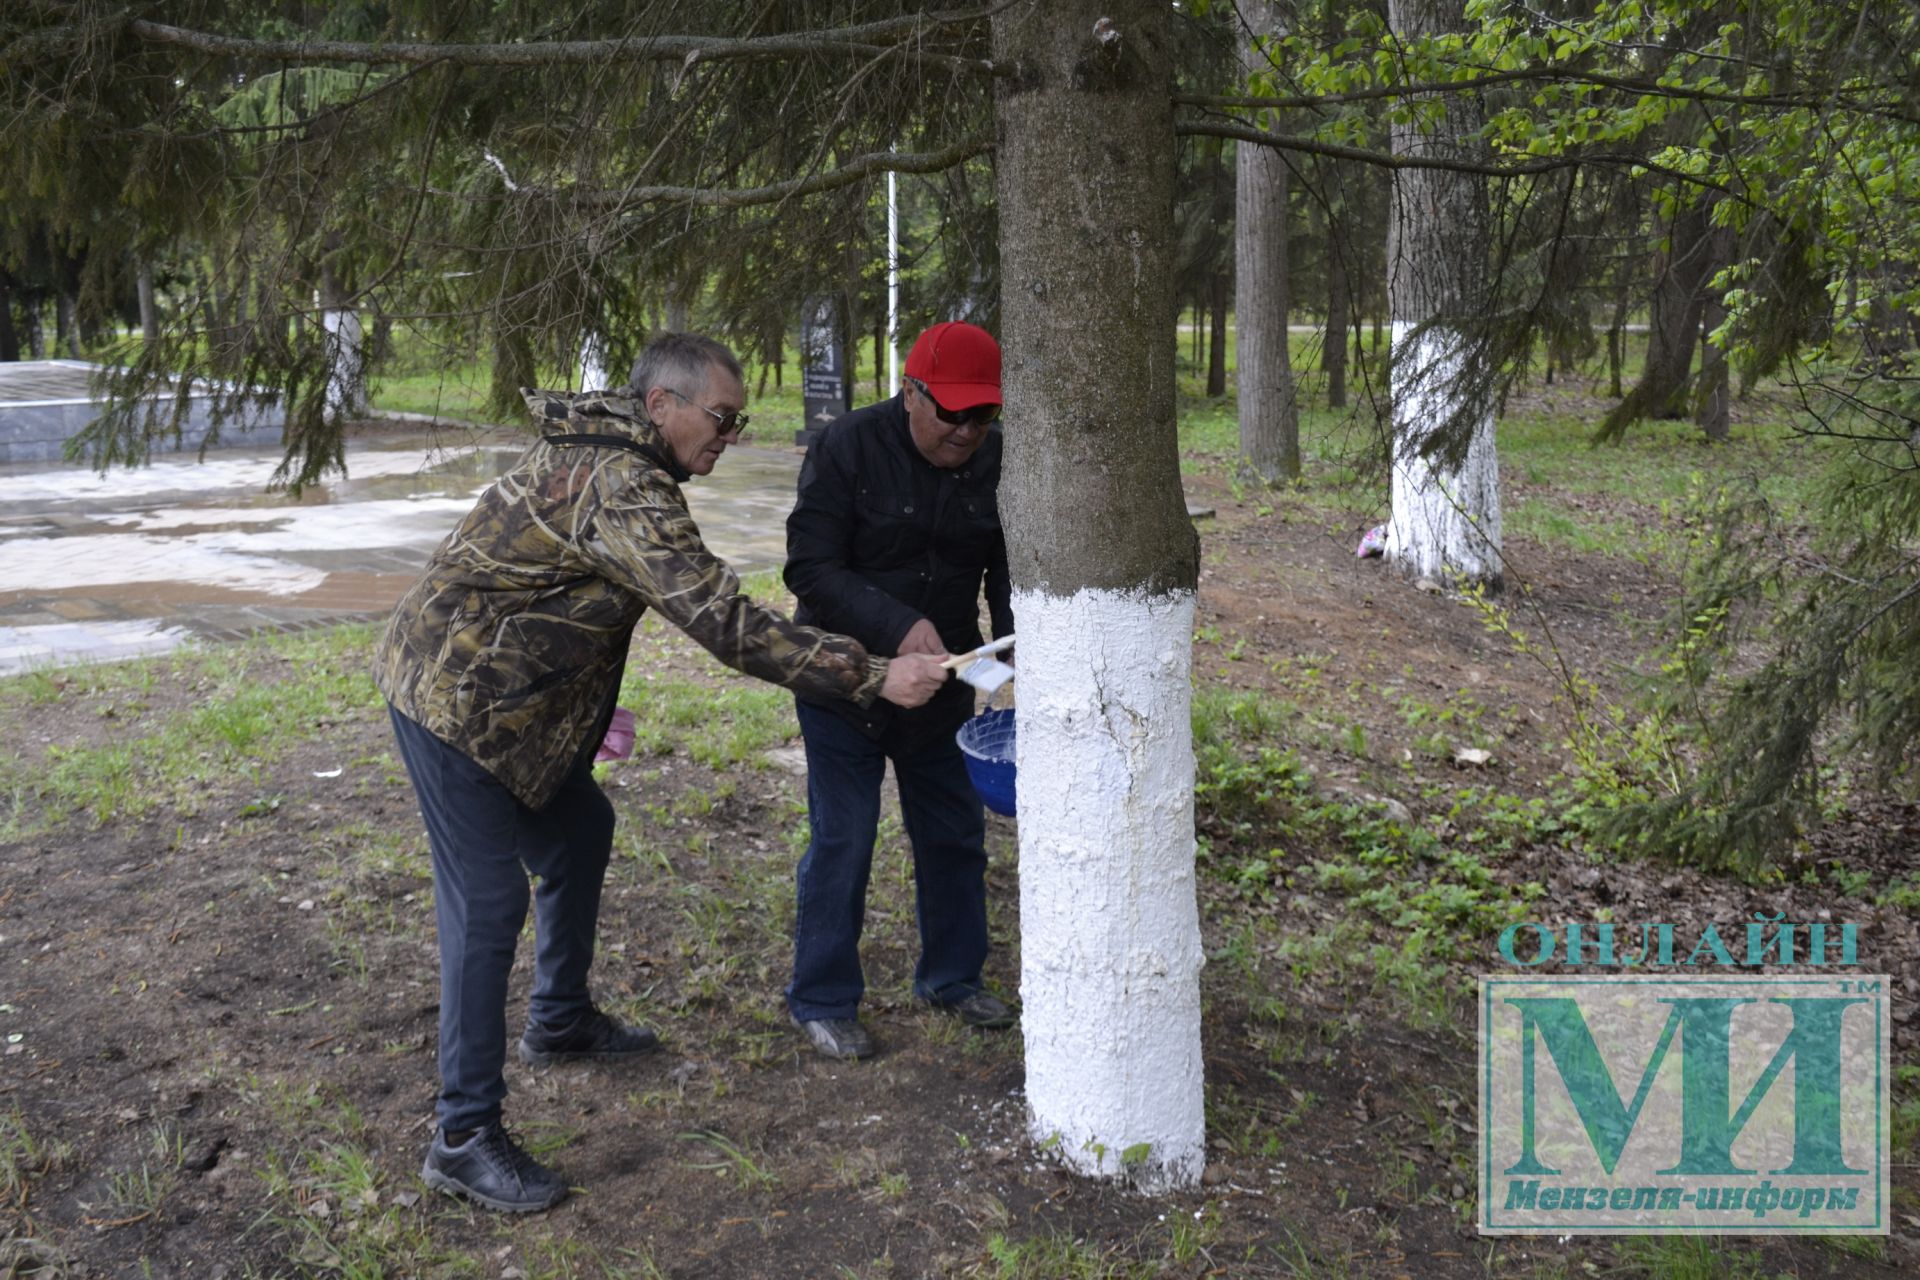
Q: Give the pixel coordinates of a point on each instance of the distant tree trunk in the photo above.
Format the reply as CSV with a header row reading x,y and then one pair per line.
x,y
34,312
1679,297
1713,408
1269,409
345,358
593,362
149,310
1217,354
1333,347
1615,342
66,337
9,336
1105,567
1445,522
1196,333
879,353
677,315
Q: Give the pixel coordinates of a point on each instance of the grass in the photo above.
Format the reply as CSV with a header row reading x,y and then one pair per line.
x,y
251,703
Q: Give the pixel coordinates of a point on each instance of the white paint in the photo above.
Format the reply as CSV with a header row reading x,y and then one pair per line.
x,y
1445,524
346,395
1109,922
593,363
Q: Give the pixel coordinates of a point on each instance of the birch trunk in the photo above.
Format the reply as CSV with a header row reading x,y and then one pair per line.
x,y
1445,522
1105,564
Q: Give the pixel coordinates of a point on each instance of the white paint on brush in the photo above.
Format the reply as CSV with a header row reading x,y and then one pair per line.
x,y
1109,924
1445,523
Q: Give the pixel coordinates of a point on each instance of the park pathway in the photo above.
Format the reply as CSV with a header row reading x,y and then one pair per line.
x,y
97,567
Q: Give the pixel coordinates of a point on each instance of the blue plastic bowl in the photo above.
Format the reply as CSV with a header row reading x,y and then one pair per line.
x,y
987,743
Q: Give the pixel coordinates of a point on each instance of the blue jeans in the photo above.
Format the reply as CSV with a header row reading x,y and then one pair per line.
x,y
948,831
485,843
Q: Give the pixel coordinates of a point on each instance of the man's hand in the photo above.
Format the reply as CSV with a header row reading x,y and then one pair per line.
x,y
922,638
912,678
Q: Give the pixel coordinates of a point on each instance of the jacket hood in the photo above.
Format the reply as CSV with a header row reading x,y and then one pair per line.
x,y
602,413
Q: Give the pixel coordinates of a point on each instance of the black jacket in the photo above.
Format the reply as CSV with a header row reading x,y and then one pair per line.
x,y
881,538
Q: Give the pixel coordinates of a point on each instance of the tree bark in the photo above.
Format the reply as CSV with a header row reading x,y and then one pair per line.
x,y
1679,296
1333,347
149,310
1616,350
1269,408
1445,522
1713,404
1217,352
1105,566
66,335
9,336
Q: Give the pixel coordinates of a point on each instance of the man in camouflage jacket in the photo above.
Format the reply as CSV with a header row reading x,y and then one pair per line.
x,y
501,666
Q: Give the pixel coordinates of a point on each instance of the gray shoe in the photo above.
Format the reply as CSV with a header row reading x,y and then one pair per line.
x,y
842,1038
490,1169
981,1010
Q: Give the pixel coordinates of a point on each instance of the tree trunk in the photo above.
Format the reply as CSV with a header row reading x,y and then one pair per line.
x,y
1333,347
1269,411
677,315
34,312
1616,350
66,335
1217,352
1445,521
149,310
1105,566
593,362
9,336
346,367
1713,407
1674,327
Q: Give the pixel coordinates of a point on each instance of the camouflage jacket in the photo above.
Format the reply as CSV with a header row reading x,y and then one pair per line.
x,y
511,646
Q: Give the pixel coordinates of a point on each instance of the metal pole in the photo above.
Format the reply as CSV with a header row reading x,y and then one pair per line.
x,y
893,283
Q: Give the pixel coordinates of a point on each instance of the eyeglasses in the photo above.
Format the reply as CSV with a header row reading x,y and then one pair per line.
x,y
981,415
730,424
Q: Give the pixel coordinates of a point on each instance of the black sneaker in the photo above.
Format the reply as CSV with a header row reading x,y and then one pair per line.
x,y
592,1035
842,1038
490,1169
981,1010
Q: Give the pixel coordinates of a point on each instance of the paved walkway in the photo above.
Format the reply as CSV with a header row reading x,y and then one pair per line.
x,y
96,567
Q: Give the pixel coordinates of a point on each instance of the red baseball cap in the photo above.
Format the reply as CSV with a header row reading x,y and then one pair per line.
x,y
959,363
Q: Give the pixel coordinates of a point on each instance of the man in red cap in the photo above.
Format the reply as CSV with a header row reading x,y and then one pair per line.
x,y
895,532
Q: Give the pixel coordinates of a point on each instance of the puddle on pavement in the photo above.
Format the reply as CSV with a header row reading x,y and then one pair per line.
x,y
137,561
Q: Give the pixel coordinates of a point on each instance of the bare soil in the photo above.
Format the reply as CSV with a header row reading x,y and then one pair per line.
x,y
254,981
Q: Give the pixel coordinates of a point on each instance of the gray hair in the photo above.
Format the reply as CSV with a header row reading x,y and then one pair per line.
x,y
682,362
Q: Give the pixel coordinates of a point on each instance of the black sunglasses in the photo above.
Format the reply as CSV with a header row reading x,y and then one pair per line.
x,y
729,424
981,415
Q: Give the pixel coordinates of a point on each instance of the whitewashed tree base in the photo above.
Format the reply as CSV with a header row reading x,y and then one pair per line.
x,y
1445,524
593,363
346,394
1109,922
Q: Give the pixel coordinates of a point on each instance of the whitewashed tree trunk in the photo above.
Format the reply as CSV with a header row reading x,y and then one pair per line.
x,y
1105,563
149,312
593,363
1268,395
1445,521
346,390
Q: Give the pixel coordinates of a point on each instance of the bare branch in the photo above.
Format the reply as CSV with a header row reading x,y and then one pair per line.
x,y
742,197
662,48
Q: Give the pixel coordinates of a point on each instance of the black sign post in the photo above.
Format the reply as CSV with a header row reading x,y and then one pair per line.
x,y
824,385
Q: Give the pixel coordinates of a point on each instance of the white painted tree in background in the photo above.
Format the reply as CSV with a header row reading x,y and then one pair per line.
x,y
1445,522
1105,565
346,391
